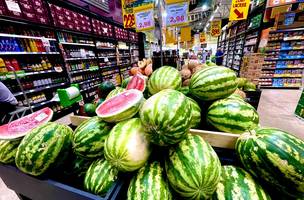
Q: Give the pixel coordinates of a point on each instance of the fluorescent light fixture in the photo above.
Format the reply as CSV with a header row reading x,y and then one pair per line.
x,y
212,17
165,14
204,7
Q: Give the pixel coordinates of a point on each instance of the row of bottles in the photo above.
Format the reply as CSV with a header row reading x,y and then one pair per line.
x,y
79,53
26,31
85,77
9,44
33,99
66,37
80,66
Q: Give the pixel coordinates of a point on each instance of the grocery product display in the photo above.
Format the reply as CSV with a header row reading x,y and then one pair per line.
x,y
105,110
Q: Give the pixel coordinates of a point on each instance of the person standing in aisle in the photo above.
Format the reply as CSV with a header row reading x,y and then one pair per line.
x,y
219,55
7,101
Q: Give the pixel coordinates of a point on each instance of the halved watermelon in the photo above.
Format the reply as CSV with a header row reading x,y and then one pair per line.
x,y
137,82
120,107
22,126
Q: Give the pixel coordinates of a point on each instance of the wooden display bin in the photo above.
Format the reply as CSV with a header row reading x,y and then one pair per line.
x,y
216,139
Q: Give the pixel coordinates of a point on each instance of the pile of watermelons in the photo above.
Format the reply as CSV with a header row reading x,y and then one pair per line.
x,y
134,123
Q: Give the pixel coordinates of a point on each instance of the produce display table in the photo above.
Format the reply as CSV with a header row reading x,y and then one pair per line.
x,y
46,189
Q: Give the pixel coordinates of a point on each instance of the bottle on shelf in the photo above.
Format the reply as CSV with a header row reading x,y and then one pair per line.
x,y
3,68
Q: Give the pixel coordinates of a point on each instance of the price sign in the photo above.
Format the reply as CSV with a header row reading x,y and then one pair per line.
x,y
177,14
216,28
129,20
144,20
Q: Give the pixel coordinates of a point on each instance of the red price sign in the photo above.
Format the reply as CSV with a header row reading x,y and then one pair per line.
x,y
216,28
129,20
177,14
144,20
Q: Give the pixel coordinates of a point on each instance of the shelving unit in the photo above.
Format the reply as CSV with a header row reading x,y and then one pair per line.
x,y
284,60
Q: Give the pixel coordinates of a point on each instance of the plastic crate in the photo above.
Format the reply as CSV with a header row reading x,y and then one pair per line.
x,y
48,189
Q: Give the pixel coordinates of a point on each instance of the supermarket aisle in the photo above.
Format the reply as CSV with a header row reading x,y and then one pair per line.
x,y
276,109
5,193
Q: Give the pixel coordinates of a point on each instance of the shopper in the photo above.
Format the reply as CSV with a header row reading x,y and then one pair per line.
x,y
219,55
7,101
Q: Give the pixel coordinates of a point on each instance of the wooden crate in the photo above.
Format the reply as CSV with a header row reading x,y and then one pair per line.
x,y
216,139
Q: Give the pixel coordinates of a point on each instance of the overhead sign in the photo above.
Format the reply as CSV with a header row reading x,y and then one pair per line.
x,y
144,18
216,26
185,34
272,3
239,10
177,14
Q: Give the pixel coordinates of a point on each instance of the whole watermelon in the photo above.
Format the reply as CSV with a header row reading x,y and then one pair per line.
x,y
89,109
213,83
276,157
193,168
8,149
165,77
114,92
184,90
195,113
166,116
149,183
232,115
100,177
77,166
44,147
125,82
236,179
127,147
89,137
105,88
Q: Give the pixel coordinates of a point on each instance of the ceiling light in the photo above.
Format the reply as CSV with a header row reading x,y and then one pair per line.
x,y
204,7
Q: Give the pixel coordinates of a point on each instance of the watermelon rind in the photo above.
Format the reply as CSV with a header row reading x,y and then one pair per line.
x,y
20,127
44,147
165,77
237,179
195,113
127,147
8,149
213,83
193,168
232,115
149,182
137,82
166,117
100,177
127,111
115,92
89,137
276,157
125,82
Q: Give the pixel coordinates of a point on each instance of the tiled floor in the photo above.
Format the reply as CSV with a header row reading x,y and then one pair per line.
x,y
276,109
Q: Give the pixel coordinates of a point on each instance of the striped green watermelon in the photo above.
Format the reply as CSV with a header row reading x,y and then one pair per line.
x,y
165,77
236,96
232,115
127,147
76,166
115,92
44,147
120,107
125,82
8,149
184,90
236,183
166,116
213,83
100,177
149,183
195,112
193,168
89,137
276,157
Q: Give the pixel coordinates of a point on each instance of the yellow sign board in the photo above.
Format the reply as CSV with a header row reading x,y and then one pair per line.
x,y
216,26
127,14
144,17
239,10
185,34
202,37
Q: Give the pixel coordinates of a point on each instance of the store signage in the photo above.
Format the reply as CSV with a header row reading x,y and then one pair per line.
x,y
13,6
177,14
202,37
300,107
128,14
144,18
216,26
239,10
273,3
185,34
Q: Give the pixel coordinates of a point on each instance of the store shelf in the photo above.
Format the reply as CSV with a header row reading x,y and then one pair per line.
x,y
287,30
90,88
82,70
276,59
77,44
72,59
87,81
105,48
28,53
102,57
278,50
25,36
286,87
40,89
37,105
286,39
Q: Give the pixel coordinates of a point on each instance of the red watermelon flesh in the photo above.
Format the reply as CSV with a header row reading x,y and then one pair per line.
x,y
137,82
117,103
22,126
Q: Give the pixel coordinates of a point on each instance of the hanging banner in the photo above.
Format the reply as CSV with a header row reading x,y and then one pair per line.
x,y
239,10
144,18
202,37
177,14
170,37
185,34
216,26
